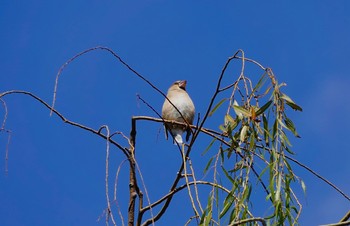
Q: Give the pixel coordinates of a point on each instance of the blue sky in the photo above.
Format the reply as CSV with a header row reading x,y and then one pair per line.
x,y
56,172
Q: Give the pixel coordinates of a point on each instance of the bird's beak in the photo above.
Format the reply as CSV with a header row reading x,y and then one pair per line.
x,y
182,84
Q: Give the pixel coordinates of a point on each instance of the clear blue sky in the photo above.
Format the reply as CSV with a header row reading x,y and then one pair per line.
x,y
56,172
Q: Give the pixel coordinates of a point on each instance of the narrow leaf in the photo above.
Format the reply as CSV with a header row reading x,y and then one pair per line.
x,y
240,111
209,146
230,122
274,129
243,133
260,82
208,165
263,108
290,125
228,176
227,204
217,106
303,186
291,103
266,130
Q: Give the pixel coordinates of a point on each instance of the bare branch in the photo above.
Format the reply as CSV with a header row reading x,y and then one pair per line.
x,y
241,222
65,120
109,209
171,193
338,224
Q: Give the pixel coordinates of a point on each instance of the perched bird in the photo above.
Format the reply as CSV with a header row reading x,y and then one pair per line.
x,y
179,97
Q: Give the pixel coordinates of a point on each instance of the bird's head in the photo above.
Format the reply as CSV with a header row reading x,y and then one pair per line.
x,y
180,84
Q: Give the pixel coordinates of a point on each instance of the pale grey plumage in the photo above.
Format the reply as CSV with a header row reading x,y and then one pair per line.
x,y
179,97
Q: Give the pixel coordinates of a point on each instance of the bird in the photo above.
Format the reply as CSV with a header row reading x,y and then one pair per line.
x,y
181,100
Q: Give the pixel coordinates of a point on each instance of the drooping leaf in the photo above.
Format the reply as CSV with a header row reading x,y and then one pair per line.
x,y
266,130
228,175
289,150
290,125
208,165
284,139
260,83
274,129
246,193
229,200
207,214
278,188
243,133
263,108
291,103
209,146
240,111
217,106
230,122
223,128
239,166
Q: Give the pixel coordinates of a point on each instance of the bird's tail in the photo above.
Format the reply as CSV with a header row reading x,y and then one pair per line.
x,y
178,139
177,133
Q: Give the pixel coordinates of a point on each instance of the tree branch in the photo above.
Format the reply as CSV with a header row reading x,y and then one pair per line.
x,y
257,219
65,120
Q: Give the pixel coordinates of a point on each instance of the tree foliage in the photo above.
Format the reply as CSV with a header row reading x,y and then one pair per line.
x,y
249,169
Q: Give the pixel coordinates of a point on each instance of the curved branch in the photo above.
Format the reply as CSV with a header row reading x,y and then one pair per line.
x,y
338,224
65,120
214,133
241,222
171,193
122,62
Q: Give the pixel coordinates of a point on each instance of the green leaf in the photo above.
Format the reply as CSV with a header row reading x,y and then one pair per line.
x,y
274,129
228,176
209,146
230,122
246,193
260,83
278,188
217,106
285,139
290,126
208,165
289,150
239,166
291,103
229,200
266,130
252,142
263,108
207,214
243,133
241,111
223,128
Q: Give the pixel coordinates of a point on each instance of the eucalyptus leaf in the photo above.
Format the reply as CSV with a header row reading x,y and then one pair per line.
x,y
240,111
217,106
263,108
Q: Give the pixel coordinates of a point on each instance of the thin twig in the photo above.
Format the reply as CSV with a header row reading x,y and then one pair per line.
x,y
338,224
346,217
7,151
65,120
115,190
147,196
195,185
256,219
109,209
174,191
187,181
5,115
206,131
